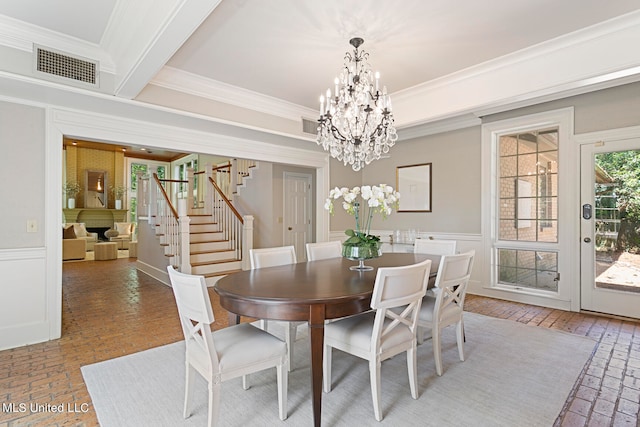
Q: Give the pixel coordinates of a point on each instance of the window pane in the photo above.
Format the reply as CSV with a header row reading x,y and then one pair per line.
x,y
508,166
527,143
508,146
527,164
529,269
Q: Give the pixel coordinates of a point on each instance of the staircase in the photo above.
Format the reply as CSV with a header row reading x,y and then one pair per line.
x,y
201,234
210,254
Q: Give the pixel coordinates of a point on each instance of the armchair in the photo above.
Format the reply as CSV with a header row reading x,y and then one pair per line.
x,y
80,231
126,232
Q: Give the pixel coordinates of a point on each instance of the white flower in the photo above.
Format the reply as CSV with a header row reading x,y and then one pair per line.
x,y
366,192
379,199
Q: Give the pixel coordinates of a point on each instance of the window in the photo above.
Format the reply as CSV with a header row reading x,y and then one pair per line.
x,y
141,166
528,208
528,164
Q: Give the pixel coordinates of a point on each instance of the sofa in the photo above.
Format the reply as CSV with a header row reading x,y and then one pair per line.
x,y
74,249
80,231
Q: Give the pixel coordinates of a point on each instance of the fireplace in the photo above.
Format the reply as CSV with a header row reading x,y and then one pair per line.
x,y
100,231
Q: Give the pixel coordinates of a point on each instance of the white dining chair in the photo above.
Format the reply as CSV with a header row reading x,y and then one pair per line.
x,y
273,257
382,333
323,250
447,306
224,354
434,247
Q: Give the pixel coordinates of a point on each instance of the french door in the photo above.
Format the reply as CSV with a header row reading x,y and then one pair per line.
x,y
610,227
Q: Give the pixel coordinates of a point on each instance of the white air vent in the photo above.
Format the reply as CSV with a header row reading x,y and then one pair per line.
x,y
310,126
72,69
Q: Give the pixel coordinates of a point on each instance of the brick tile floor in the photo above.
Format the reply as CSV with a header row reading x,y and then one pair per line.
x,y
110,309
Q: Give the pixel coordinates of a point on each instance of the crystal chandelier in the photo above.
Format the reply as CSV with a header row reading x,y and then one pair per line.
x,y
356,124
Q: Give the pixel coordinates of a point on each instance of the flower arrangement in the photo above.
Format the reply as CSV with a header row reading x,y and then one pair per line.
x,y
71,189
118,191
380,199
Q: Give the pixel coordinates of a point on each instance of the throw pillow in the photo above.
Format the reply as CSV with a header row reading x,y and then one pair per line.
x,y
68,233
123,228
80,229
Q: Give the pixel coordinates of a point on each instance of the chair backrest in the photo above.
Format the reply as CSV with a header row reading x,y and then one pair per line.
x,y
398,287
434,247
452,280
271,257
124,228
196,317
323,250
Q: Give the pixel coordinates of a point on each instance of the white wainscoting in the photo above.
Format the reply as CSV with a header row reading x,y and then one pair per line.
x,y
24,313
465,242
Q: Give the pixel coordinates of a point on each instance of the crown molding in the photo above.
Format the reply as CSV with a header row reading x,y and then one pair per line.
x,y
182,81
440,126
591,59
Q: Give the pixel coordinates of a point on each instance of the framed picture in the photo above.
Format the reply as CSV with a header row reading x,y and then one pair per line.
x,y
413,182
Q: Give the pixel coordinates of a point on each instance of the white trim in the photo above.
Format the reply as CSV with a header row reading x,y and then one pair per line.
x,y
522,78
568,263
182,81
108,128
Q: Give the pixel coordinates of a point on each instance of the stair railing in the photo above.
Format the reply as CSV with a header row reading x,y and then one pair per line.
x,y
170,227
229,219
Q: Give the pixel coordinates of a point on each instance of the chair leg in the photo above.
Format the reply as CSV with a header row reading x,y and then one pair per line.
x,y
374,377
290,339
420,334
188,389
461,339
214,402
326,368
412,366
245,382
437,351
283,385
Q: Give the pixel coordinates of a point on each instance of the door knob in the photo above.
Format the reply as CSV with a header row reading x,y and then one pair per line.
x,y
587,239
289,228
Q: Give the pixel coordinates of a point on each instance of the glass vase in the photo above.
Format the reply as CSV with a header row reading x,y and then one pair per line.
x,y
360,253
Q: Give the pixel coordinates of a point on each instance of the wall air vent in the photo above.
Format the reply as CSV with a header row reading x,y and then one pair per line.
x,y
64,67
310,126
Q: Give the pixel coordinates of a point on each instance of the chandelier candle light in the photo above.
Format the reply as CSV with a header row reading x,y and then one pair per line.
x,y
360,244
356,124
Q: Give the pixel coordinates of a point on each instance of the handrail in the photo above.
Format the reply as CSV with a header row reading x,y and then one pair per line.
x,y
225,166
164,193
226,200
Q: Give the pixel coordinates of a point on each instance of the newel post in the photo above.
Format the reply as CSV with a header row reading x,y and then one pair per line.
x,y
247,240
183,233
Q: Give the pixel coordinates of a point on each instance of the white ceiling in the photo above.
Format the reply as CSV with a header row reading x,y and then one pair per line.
x,y
290,50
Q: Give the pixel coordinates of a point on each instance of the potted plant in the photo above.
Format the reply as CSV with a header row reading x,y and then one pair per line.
x,y
118,193
71,189
360,244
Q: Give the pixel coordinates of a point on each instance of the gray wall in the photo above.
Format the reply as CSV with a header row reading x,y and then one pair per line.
x,y
22,139
614,108
455,158
455,202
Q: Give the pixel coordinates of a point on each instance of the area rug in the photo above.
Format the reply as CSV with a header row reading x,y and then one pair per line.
x,y
514,374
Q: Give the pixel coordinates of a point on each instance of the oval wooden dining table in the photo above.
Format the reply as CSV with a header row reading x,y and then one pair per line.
x,y
312,291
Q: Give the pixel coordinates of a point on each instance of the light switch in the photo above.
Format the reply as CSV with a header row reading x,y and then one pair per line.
x,y
32,226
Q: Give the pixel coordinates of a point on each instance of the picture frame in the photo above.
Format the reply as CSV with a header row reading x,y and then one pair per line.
x,y
413,182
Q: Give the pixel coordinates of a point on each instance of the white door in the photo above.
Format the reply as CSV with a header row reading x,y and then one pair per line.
x,y
297,211
610,225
